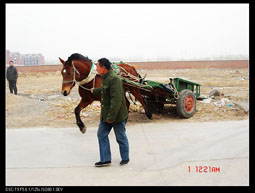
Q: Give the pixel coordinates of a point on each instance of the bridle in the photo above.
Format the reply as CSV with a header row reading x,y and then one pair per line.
x,y
90,77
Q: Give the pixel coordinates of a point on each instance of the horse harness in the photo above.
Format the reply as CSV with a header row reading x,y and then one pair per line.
x,y
90,77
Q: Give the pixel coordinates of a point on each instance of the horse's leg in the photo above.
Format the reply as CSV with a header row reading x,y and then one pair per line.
x,y
77,111
127,102
136,92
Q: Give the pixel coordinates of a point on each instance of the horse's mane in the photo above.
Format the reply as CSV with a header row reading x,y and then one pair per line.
x,y
77,56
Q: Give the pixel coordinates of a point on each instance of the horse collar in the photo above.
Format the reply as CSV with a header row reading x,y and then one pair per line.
x,y
90,76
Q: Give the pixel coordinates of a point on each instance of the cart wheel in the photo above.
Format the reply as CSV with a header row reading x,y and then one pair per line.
x,y
186,103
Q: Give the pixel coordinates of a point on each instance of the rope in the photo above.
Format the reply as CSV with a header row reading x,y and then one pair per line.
x,y
131,76
176,94
83,86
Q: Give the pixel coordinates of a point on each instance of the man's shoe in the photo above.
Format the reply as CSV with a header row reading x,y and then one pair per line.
x,y
100,164
124,162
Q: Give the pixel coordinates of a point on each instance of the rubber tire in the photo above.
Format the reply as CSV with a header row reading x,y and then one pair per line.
x,y
180,104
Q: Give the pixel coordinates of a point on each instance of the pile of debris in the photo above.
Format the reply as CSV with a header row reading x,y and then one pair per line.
x,y
218,99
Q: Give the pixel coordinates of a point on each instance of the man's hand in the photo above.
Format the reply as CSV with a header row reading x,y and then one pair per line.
x,y
91,90
109,122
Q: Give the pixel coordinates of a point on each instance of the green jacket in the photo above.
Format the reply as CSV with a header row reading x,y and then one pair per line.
x,y
113,103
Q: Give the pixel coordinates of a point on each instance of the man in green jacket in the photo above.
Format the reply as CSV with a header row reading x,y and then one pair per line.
x,y
114,113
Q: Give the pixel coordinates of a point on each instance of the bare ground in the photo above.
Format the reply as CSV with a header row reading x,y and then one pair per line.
x,y
39,101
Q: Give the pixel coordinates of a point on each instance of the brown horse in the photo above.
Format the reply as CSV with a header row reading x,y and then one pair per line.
x,y
77,70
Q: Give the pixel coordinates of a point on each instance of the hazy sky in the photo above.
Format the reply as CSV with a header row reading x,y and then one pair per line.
x,y
128,31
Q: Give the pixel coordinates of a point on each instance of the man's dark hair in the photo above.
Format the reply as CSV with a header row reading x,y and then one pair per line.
x,y
105,62
10,61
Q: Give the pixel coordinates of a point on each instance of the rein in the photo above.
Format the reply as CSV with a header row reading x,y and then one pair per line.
x,y
90,77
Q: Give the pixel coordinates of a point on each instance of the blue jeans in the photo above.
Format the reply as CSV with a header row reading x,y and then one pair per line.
x,y
121,137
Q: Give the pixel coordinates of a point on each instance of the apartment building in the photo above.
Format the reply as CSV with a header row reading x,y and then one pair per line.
x,y
24,59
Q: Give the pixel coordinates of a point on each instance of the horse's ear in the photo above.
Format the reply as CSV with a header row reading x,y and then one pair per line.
x,y
61,60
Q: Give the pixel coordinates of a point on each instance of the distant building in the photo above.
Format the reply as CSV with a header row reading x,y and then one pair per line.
x,y
24,59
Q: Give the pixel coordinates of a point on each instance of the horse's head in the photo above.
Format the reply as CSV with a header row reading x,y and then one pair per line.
x,y
68,74
76,69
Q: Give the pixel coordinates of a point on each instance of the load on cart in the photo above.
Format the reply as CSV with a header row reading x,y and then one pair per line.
x,y
182,93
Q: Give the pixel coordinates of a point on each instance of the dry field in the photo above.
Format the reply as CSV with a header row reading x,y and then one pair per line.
x,y
39,102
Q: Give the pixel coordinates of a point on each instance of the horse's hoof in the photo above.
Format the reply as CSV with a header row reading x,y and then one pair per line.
x,y
83,130
149,115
